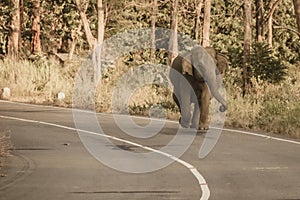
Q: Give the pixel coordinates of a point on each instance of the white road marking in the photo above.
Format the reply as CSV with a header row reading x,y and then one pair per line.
x,y
270,168
201,180
202,183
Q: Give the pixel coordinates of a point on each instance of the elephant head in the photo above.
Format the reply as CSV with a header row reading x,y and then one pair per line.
x,y
204,63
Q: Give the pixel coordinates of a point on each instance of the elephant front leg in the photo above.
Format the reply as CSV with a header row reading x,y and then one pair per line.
x,y
204,108
184,99
196,115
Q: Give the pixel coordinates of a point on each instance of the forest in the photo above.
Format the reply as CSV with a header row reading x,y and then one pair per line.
x,y
44,43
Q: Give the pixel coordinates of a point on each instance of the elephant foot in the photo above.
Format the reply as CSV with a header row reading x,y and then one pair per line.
x,y
202,130
182,125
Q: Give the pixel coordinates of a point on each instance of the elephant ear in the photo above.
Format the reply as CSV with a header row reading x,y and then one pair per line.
x,y
187,67
212,52
222,63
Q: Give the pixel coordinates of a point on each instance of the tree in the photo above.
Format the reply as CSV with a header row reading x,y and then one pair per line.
x,y
36,29
259,20
101,23
247,44
173,42
21,22
153,24
14,36
272,6
92,41
206,24
297,12
197,30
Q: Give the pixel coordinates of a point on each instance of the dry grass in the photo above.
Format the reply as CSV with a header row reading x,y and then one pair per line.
x,y
37,82
273,108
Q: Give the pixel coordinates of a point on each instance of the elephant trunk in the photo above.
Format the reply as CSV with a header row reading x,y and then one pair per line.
x,y
204,65
216,94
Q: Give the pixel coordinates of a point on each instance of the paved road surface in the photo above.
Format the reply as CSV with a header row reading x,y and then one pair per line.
x,y
51,163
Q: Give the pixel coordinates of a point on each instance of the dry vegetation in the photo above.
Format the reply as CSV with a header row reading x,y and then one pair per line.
x,y
272,108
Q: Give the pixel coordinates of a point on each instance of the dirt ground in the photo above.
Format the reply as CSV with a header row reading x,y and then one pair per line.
x,y
5,146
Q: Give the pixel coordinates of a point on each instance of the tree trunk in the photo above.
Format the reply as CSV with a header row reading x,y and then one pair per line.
x,y
21,22
259,20
270,25
206,24
247,45
197,31
98,52
74,37
297,12
36,29
92,41
173,43
272,6
153,27
14,37
101,25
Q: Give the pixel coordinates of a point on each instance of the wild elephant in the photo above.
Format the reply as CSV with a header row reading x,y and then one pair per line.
x,y
200,71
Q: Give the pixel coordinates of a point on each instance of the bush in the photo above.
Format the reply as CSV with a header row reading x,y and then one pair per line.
x,y
263,64
270,107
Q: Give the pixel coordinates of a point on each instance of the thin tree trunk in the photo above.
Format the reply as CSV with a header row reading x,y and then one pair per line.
x,y
101,25
206,24
153,28
259,20
14,37
173,43
197,20
98,52
36,29
92,41
21,22
247,45
74,37
270,26
297,12
272,7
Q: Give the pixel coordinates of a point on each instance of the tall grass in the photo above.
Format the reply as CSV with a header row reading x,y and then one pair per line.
x,y
37,82
269,107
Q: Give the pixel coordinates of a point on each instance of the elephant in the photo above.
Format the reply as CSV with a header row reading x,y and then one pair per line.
x,y
199,69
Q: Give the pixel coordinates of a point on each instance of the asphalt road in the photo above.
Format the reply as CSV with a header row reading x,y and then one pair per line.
x,y
50,162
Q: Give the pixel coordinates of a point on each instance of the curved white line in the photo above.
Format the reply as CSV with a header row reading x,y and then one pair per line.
x,y
202,183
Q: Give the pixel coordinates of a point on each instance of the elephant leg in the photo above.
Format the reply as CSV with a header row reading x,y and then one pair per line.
x,y
196,115
204,107
176,100
184,99
196,111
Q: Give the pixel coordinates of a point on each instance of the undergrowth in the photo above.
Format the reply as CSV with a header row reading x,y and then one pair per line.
x,y
270,107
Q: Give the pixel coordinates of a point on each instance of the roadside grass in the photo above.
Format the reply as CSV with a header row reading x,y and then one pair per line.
x,y
36,82
269,107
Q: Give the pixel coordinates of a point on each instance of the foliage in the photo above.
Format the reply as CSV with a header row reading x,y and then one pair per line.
x,y
263,64
5,18
273,108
